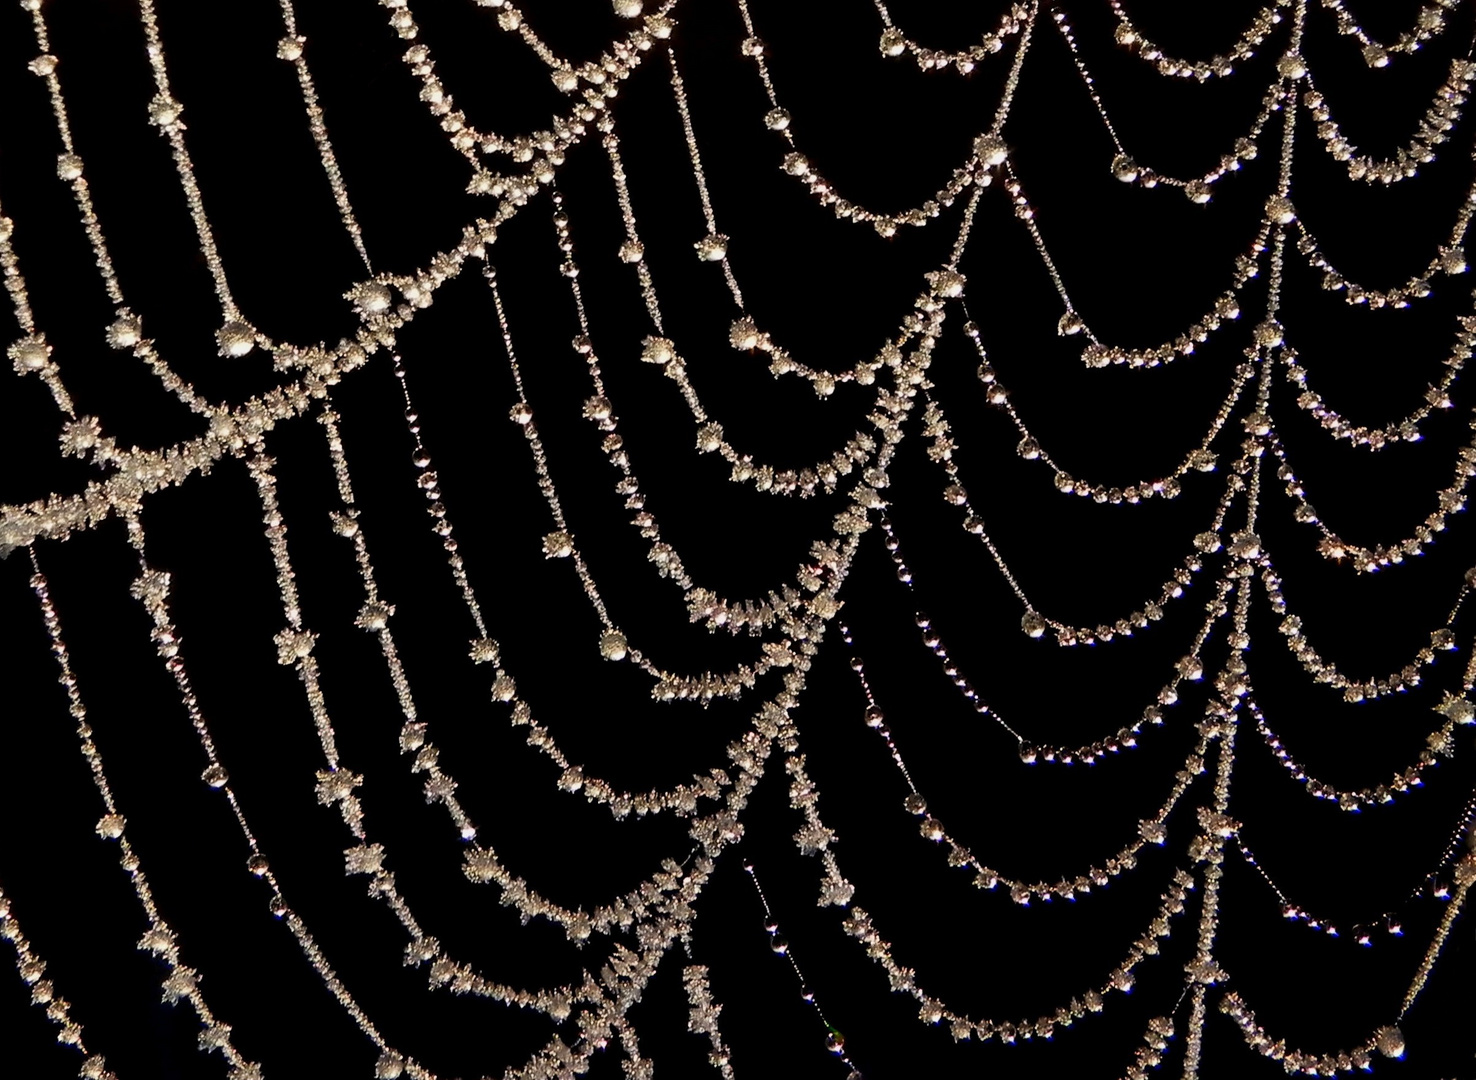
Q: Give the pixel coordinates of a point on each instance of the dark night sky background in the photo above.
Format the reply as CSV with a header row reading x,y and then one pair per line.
x,y
1141,265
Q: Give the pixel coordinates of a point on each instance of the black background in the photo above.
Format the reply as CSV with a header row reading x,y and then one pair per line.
x,y
1141,265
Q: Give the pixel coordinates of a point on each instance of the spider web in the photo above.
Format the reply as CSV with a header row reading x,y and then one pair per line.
x,y
830,292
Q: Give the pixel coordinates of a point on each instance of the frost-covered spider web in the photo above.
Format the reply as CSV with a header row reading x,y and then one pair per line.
x,y
521,505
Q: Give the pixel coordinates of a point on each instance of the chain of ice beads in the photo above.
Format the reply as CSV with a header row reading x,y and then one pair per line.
x,y
1450,259
1125,166
986,153
1033,622
1325,671
181,983
815,838
1098,354
835,1042
1200,459
631,251
1190,667
1451,500
1405,429
1428,24
539,150
1362,933
1129,36
1300,1061
1438,743
594,82
744,335
44,993
483,646
798,165
1156,1038
894,41
1434,128
1150,830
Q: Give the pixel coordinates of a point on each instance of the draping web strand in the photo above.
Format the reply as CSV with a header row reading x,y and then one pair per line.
x,y
792,622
